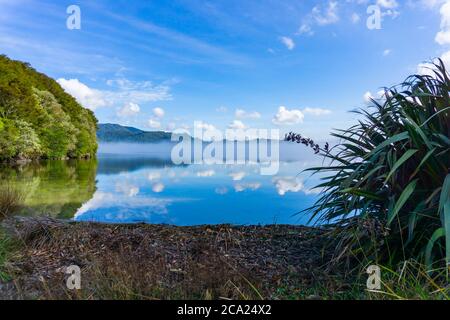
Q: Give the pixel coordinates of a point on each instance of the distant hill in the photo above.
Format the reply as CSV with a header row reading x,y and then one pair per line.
x,y
108,132
38,119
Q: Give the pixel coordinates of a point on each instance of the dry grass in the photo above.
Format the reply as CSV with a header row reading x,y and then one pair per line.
x,y
411,280
11,200
206,262
165,262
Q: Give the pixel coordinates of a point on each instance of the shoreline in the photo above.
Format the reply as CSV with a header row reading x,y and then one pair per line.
x,y
132,261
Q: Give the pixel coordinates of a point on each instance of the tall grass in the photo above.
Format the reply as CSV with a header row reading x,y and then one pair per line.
x,y
387,182
11,200
8,248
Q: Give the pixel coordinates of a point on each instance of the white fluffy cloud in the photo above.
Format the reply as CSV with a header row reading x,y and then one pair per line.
x,y
242,114
287,184
446,58
158,112
237,125
288,117
87,97
288,42
129,109
428,68
443,36
120,93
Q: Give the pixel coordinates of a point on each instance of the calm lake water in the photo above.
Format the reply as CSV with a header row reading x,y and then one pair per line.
x,y
130,184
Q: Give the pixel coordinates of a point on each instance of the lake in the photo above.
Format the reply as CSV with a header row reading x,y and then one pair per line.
x,y
137,183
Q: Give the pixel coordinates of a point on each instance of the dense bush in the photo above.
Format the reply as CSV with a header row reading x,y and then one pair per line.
x,y
388,184
39,119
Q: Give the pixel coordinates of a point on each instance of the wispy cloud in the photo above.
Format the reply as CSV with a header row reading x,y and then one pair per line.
x,y
121,91
175,38
242,114
288,42
320,15
328,15
52,56
316,111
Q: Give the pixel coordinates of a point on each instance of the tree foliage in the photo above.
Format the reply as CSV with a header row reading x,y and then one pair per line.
x,y
38,119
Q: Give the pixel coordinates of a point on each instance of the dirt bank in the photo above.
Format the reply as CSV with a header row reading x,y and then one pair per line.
x,y
164,262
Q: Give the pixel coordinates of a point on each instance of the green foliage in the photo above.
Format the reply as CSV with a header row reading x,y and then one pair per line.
x,y
18,139
57,133
8,135
27,144
389,184
38,119
53,188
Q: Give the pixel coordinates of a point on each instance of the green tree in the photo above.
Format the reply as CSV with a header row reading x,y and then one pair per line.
x,y
60,127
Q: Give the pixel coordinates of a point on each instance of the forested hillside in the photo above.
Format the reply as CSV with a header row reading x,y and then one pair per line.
x,y
38,119
116,133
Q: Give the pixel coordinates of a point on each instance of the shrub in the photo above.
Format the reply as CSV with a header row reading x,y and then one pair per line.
x,y
388,182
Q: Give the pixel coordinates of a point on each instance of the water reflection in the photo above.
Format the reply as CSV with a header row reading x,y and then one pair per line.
x,y
149,188
53,188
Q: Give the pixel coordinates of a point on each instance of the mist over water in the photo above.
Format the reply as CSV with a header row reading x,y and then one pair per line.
x,y
157,150
289,152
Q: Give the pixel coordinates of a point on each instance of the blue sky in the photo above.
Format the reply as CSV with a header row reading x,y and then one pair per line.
x,y
293,65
